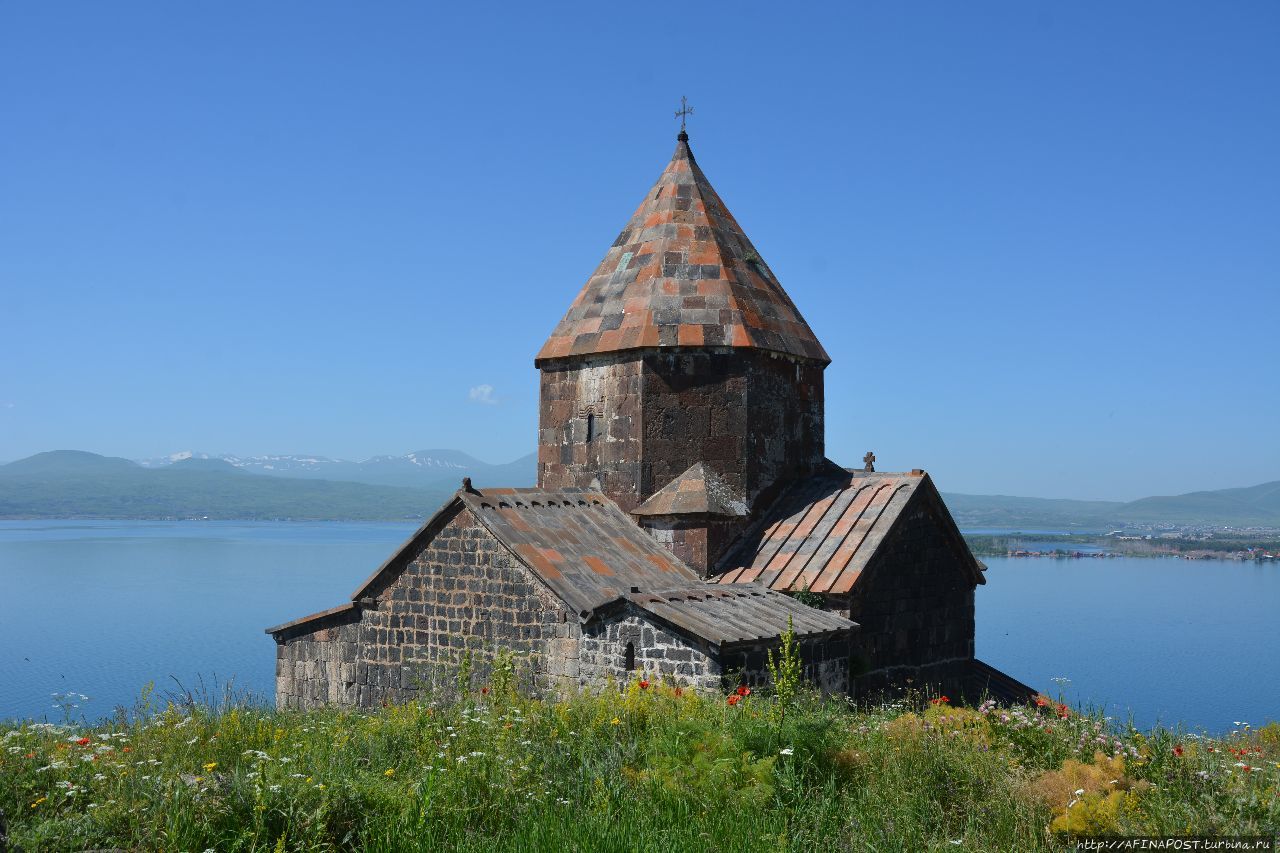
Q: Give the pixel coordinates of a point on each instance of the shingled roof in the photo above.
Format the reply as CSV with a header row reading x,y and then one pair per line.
x,y
682,273
594,558
821,533
695,492
580,543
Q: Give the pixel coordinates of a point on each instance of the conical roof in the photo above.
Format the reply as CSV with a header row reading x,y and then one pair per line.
x,y
682,274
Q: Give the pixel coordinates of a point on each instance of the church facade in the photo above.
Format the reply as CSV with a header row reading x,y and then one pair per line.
x,y
683,499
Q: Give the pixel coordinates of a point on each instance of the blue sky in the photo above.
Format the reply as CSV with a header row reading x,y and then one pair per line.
x,y
1041,241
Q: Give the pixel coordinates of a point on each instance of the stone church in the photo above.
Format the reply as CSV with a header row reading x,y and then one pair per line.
x,y
683,500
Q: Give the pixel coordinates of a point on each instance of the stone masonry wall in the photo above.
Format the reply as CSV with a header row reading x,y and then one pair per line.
x,y
698,542
825,664
753,417
608,389
663,653
658,652
463,591
915,605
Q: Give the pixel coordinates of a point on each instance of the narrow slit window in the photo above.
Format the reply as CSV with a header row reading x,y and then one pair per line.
x,y
630,657
591,426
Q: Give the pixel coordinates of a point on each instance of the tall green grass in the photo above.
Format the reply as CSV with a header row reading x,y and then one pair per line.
x,y
647,767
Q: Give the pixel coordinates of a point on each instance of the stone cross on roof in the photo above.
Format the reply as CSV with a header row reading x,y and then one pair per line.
x,y
685,110
870,461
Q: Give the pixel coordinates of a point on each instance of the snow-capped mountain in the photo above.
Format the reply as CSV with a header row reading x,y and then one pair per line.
x,y
421,468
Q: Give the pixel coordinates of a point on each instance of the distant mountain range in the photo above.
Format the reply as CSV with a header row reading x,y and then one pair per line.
x,y
1254,506
422,469
76,484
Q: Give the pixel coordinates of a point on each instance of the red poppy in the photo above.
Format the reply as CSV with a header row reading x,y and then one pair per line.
x,y
744,690
940,700
1064,711
128,749
84,741
1177,750
1041,701
644,685
677,692
734,699
31,755
484,691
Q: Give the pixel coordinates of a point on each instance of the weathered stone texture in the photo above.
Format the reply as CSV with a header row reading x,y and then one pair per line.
x,y
698,542
608,389
915,604
754,417
657,652
463,592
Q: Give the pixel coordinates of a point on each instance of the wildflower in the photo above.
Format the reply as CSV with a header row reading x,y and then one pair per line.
x,y
1041,701
1177,750
83,741
677,692
734,699
208,767
484,691
615,721
38,802
389,772
644,684
743,690
787,751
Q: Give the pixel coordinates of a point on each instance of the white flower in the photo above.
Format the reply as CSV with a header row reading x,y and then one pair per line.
x,y
787,751
1080,791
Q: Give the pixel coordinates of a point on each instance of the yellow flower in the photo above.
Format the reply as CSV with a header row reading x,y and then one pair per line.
x,y
208,768
389,772
308,780
38,802
615,721
320,786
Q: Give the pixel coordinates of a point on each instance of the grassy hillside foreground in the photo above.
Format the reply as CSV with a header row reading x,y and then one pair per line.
x,y
650,767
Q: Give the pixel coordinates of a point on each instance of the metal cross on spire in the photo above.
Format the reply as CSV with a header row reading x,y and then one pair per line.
x,y
685,110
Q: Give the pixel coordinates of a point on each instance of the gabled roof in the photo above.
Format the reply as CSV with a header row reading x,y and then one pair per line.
x,y
682,274
580,543
695,492
595,558
821,533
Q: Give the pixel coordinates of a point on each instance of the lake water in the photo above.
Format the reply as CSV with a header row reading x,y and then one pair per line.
x,y
102,608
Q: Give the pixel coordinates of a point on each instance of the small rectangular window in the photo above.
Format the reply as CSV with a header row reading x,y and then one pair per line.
x,y
591,426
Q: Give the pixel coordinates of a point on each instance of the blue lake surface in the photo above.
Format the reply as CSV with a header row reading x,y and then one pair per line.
x,y
104,607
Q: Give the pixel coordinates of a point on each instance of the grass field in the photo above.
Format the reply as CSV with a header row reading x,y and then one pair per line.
x,y
647,766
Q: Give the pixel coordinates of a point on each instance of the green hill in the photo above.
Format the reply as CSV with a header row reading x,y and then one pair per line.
x,y
74,484
1255,506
